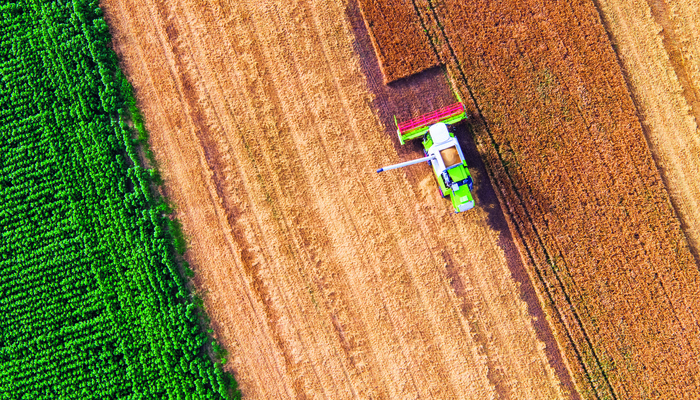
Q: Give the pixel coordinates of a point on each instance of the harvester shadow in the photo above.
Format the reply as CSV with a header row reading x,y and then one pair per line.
x,y
487,200
423,92
484,193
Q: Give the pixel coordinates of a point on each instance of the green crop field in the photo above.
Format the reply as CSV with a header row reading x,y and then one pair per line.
x,y
92,303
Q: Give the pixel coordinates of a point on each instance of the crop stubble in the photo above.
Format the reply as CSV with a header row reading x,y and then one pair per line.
x,y
322,279
564,145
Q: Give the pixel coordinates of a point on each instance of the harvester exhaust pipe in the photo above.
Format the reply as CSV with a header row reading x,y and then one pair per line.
x,y
406,164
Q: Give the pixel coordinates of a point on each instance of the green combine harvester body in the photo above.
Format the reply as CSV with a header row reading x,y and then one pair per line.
x,y
442,153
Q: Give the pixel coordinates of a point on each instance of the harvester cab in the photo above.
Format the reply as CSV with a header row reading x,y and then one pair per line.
x,y
442,152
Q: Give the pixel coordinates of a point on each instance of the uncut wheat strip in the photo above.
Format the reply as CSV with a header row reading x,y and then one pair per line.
x,y
603,229
402,47
482,105
633,176
642,172
637,176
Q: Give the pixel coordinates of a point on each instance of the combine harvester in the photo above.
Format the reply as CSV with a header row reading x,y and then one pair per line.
x,y
442,152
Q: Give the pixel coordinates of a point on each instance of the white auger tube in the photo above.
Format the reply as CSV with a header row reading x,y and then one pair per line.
x,y
407,163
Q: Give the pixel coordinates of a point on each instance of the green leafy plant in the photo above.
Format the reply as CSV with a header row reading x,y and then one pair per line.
x,y
93,302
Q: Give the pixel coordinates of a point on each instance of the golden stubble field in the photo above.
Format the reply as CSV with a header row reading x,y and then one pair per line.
x,y
322,278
